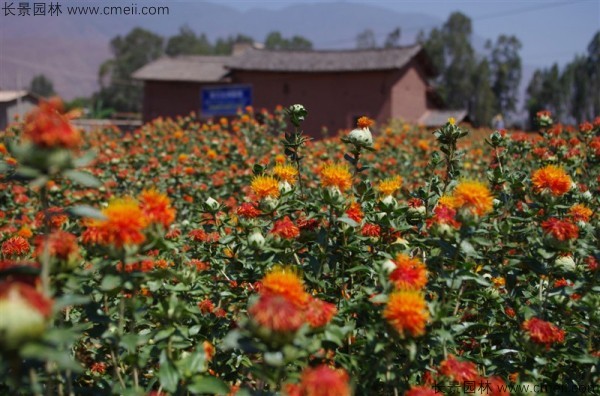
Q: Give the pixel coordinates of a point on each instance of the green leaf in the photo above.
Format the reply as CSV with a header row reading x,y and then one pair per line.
x,y
210,385
168,374
86,211
85,159
274,359
348,220
110,282
83,178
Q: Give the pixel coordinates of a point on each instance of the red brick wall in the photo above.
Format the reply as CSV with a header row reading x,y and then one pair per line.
x,y
170,99
409,99
333,100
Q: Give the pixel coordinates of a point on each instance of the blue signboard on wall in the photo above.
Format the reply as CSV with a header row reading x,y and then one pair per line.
x,y
225,100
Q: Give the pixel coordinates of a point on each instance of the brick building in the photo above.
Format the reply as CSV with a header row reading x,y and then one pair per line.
x,y
335,86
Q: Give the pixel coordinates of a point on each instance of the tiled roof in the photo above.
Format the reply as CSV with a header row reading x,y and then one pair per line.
x,y
215,68
185,68
324,61
9,96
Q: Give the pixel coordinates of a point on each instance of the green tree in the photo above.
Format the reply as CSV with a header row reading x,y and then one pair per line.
x,y
42,86
366,39
224,46
459,61
544,92
393,39
275,41
505,66
188,43
131,52
483,103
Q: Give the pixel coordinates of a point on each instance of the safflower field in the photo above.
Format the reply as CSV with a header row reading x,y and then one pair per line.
x,y
239,257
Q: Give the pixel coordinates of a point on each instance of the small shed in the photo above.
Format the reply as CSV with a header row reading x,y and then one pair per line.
x,y
15,104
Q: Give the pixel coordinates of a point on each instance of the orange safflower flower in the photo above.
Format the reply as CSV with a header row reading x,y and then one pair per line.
x,y
551,178
389,186
286,172
277,313
265,187
124,225
285,281
580,212
15,246
474,196
410,273
542,332
364,122
407,312
336,175
459,371
47,126
157,208
324,381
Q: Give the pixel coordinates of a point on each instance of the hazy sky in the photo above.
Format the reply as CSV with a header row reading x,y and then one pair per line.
x,y
550,30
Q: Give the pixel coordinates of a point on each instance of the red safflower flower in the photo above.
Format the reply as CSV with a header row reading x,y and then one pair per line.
x,y
206,306
563,230
542,332
421,391
248,210
459,371
319,313
15,246
355,212
324,381
277,313
284,228
47,126
61,244
410,273
371,230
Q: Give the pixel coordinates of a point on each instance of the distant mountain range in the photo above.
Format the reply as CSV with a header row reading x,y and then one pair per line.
x,y
69,49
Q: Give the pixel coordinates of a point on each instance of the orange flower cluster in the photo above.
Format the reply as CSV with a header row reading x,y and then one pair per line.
x,y
47,126
542,332
285,228
389,186
580,212
407,312
157,208
286,172
265,187
61,244
551,178
364,122
284,306
406,309
473,196
410,273
124,225
321,381
337,176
